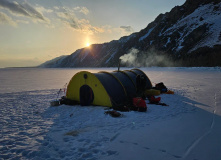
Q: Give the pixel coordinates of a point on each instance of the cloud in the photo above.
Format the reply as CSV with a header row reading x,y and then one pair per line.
x,y
33,12
23,9
83,10
14,7
82,25
69,19
4,19
86,27
42,9
56,7
127,29
22,21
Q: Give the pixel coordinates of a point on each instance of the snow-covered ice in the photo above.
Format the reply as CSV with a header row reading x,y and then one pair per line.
x,y
189,128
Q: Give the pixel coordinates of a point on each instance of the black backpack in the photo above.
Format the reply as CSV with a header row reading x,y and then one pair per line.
x,y
160,86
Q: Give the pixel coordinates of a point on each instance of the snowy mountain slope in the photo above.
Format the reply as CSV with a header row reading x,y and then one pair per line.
x,y
188,35
204,15
54,62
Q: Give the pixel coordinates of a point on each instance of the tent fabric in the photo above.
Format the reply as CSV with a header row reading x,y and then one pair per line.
x,y
101,96
140,72
114,88
105,88
132,75
127,82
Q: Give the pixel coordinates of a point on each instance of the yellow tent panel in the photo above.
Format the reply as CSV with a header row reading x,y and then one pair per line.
x,y
82,78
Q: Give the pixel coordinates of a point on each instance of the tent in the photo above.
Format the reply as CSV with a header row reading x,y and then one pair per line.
x,y
105,88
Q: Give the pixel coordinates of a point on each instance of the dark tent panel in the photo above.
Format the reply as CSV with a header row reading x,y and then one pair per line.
x,y
140,72
127,82
132,75
114,88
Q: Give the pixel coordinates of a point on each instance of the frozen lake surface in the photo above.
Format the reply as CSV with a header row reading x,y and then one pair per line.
x,y
189,128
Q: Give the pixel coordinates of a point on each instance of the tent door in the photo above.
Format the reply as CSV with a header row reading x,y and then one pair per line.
x,y
86,95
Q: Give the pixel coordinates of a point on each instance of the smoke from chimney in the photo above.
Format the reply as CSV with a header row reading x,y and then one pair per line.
x,y
136,58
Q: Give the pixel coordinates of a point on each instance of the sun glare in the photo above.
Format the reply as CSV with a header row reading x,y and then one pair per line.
x,y
88,44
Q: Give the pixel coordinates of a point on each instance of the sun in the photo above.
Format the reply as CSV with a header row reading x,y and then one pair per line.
x,y
88,44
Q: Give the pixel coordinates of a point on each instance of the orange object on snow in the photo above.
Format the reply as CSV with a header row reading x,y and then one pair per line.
x,y
140,104
169,92
154,100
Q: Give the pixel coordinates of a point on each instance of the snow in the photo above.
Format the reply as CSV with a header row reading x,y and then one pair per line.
x,y
85,55
189,128
204,15
147,34
76,53
168,41
151,42
112,56
56,61
126,38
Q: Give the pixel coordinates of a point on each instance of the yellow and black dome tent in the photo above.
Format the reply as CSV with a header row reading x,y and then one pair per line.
x,y
105,89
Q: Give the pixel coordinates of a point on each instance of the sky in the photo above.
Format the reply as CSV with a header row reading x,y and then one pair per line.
x,y
34,31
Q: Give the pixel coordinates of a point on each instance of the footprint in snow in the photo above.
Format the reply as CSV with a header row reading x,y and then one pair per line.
x,y
177,156
111,152
147,148
162,150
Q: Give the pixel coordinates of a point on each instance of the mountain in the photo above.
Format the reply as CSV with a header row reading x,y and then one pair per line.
x,y
188,35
